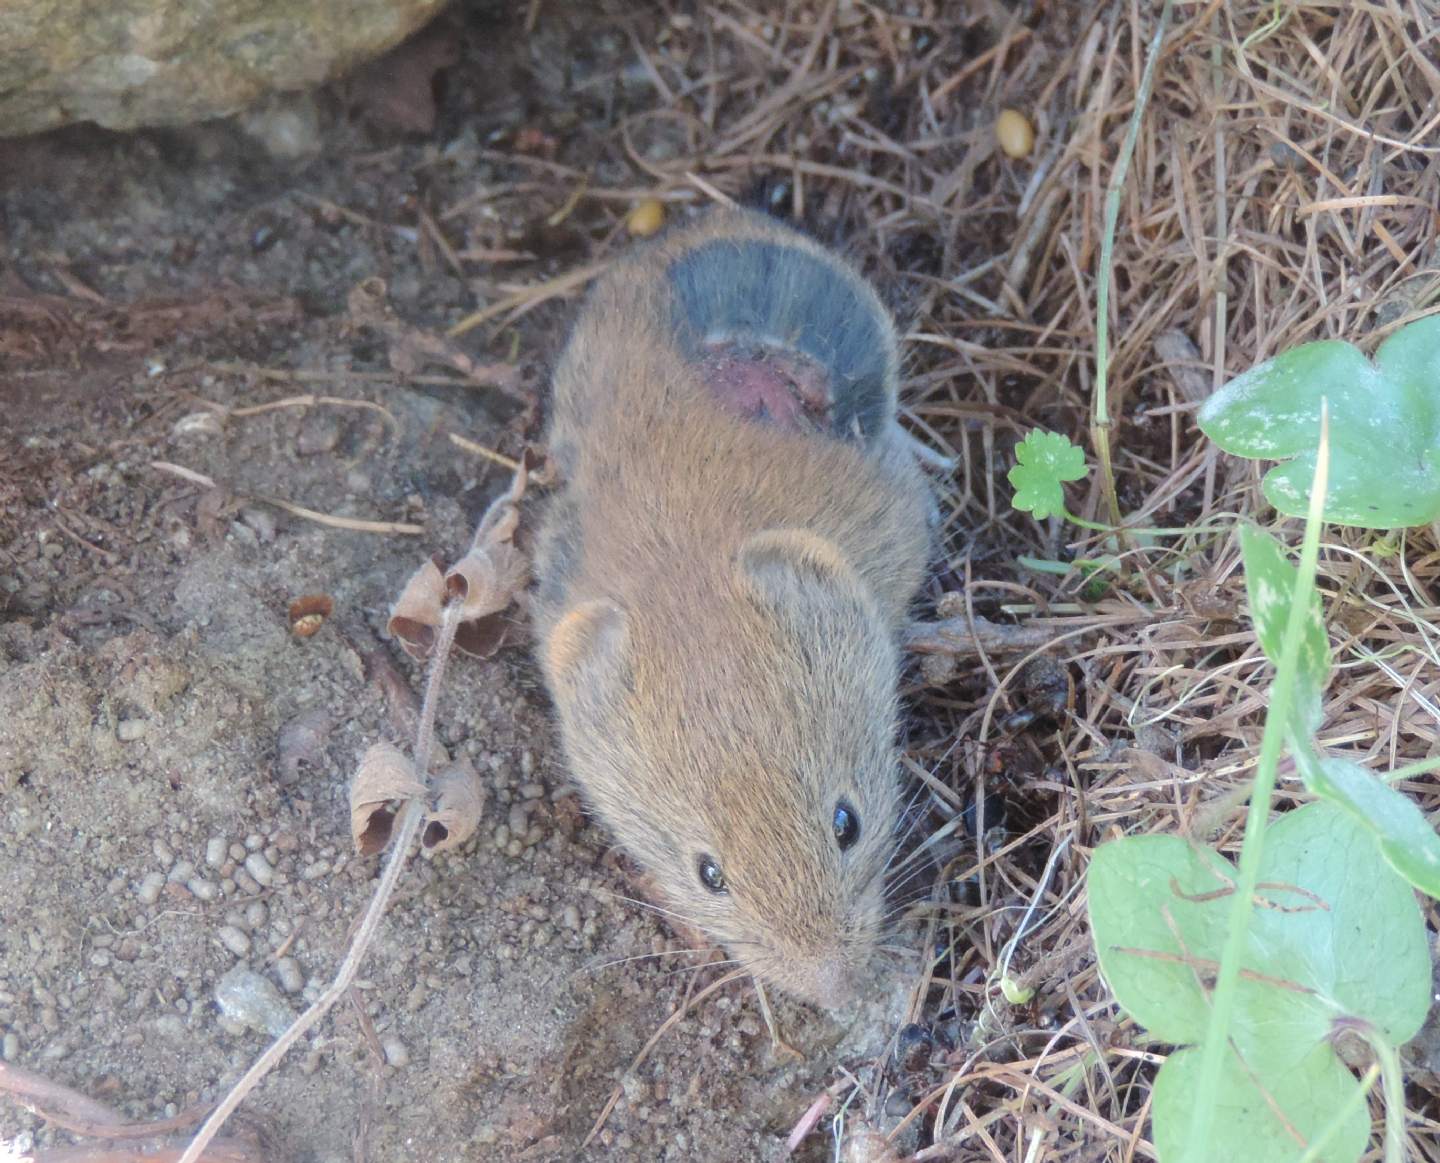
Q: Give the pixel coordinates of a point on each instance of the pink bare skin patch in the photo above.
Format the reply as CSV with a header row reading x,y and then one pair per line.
x,y
768,384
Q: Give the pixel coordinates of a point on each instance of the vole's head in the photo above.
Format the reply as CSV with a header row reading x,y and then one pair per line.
x,y
746,753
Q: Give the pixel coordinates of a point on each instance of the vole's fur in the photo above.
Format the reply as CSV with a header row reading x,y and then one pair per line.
x,y
720,597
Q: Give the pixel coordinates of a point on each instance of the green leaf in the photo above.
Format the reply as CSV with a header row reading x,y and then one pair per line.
x,y
1043,461
1270,583
1337,939
1404,835
1244,1127
1384,426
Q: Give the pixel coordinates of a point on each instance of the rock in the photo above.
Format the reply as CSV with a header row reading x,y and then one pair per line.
x,y
130,63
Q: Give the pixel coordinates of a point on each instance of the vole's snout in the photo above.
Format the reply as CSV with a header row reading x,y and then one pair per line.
x,y
825,981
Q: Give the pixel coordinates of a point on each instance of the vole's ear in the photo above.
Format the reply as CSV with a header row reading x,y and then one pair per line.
x,y
586,645
788,568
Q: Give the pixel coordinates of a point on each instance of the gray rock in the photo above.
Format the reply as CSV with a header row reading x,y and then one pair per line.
x,y
131,63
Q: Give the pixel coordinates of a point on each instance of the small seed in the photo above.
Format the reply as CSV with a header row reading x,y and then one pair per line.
x,y
1014,133
646,218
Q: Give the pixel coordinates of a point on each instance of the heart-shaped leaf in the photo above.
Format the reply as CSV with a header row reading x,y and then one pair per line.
x,y
1384,426
1404,835
1336,940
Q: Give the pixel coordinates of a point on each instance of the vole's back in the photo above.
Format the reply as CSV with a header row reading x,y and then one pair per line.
x,y
723,574
660,442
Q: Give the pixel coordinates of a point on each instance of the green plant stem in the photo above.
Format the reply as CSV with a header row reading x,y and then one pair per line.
x,y
1100,403
1392,1078
1347,1108
1277,727
1149,530
1411,770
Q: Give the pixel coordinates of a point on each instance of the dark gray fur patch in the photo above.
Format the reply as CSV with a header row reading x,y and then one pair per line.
x,y
559,551
769,291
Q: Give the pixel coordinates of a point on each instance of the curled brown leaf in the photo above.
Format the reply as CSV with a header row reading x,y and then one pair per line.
x,y
416,613
459,804
384,779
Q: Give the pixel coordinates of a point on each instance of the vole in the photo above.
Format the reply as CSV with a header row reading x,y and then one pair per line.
x,y
723,574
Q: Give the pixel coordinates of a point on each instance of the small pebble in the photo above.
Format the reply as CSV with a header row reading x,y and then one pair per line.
x,y
215,851
315,871
396,1053
258,867
182,871
247,882
502,836
234,939
129,730
532,791
256,915
251,1000
570,918
237,852
101,959
162,851
150,887
10,1046
292,980
519,820
254,841
202,889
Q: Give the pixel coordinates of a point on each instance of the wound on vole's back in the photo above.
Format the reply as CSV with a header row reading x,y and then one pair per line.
x,y
785,337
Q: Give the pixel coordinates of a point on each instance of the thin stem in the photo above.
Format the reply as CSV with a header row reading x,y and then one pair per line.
x,y
1277,727
1411,770
1392,1076
1315,1151
1100,402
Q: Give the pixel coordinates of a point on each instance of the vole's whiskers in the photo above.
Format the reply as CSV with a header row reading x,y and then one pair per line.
x,y
651,906
600,967
702,965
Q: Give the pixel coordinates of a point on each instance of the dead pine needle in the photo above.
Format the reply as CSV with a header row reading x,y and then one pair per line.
x,y
353,524
480,450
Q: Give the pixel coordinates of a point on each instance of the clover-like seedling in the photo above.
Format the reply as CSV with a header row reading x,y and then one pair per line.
x,y
1384,426
1336,945
1043,461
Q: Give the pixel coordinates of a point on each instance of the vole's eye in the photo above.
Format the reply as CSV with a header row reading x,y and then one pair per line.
x,y
711,877
846,825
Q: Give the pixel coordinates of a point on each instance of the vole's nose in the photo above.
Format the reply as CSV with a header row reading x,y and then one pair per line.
x,y
828,982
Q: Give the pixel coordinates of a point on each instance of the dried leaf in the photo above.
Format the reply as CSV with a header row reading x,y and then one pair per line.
x,y
459,804
485,637
385,776
415,615
487,579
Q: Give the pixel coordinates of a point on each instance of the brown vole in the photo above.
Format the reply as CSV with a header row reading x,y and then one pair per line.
x,y
723,576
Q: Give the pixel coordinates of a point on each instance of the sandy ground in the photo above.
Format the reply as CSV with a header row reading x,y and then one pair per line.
x,y
174,760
